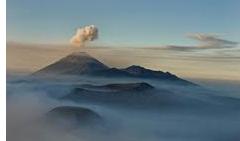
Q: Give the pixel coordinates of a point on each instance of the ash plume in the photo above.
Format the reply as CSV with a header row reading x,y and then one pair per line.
x,y
84,34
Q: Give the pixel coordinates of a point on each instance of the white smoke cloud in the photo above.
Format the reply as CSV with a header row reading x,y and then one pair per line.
x,y
84,34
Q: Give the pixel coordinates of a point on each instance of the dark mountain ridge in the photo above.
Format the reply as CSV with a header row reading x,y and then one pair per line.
x,y
80,63
120,87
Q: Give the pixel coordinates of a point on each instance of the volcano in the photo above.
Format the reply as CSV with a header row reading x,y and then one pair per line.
x,y
74,64
80,63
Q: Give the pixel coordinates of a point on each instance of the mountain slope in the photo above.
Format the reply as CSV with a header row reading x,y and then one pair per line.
x,y
75,63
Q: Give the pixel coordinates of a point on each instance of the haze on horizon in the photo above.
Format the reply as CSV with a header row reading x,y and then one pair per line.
x,y
195,39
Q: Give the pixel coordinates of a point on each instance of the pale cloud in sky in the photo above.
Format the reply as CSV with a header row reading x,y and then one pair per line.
x,y
212,41
206,41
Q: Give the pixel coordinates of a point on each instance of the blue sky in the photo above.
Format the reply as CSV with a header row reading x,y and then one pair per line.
x,y
122,22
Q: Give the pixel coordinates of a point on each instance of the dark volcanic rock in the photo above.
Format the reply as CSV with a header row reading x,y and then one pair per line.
x,y
73,117
121,87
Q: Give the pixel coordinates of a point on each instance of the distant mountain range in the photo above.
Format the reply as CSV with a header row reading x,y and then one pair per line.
x,y
80,63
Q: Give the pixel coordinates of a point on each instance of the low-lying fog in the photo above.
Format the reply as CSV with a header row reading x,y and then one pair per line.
x,y
28,101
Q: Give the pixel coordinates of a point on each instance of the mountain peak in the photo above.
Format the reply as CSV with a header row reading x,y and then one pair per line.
x,y
78,57
75,63
135,67
138,70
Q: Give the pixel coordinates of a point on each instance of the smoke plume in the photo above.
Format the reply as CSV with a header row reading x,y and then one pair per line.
x,y
84,34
